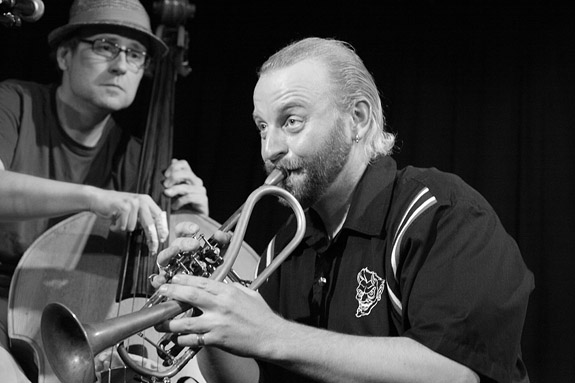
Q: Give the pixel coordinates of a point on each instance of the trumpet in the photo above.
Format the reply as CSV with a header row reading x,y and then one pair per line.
x,y
71,346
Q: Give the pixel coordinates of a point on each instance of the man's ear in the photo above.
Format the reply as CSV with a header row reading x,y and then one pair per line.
x,y
361,118
63,55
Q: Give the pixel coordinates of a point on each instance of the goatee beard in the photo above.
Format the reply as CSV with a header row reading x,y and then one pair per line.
x,y
308,179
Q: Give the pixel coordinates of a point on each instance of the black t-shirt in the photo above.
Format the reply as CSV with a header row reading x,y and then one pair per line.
x,y
421,254
33,142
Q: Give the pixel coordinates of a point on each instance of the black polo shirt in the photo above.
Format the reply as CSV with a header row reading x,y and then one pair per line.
x,y
421,254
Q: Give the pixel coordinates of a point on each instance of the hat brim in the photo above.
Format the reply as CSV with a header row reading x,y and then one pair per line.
x,y
156,45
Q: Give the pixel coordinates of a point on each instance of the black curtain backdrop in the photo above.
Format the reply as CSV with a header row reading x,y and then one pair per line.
x,y
483,89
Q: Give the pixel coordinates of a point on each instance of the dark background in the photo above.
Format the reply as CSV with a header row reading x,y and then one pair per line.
x,y
484,89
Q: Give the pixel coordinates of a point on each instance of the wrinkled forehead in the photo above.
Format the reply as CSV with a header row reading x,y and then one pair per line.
x,y
307,80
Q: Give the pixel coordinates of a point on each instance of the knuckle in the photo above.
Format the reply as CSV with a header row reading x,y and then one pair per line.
x,y
202,283
190,242
188,325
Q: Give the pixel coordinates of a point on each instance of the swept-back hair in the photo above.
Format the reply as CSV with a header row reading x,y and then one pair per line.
x,y
351,79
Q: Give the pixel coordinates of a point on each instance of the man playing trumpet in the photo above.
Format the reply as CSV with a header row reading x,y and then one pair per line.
x,y
403,275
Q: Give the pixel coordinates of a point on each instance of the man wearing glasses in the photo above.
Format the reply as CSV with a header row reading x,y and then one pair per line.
x,y
136,58
61,151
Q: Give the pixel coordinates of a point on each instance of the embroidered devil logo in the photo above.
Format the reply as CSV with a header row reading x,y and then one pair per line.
x,y
368,292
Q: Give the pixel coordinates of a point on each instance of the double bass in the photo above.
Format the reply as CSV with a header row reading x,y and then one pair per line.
x,y
97,273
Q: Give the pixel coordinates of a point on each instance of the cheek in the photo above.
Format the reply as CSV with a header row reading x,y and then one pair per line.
x,y
81,73
133,84
79,81
304,145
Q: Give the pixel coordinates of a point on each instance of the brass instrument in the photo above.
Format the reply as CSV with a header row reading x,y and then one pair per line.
x,y
71,346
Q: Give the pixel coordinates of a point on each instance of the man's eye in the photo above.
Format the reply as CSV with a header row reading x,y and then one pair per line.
x,y
262,129
107,47
293,122
135,55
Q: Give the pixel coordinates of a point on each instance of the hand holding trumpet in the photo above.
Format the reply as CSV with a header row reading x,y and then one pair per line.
x,y
231,313
234,318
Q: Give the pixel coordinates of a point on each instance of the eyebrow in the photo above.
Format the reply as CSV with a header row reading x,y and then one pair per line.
x,y
283,108
291,105
132,44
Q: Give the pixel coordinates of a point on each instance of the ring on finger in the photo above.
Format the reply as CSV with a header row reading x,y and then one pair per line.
x,y
200,339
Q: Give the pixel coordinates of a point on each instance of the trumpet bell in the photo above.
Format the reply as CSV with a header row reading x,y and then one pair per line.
x,y
62,331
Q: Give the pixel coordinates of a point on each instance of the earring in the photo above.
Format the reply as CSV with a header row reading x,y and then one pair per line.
x,y
356,139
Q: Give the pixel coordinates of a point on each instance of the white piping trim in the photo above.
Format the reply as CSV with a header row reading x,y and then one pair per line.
x,y
394,299
401,228
394,253
401,231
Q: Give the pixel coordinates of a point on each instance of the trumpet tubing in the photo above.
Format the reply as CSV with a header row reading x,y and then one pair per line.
x,y
71,346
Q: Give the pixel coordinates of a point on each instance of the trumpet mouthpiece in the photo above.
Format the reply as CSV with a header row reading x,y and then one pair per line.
x,y
275,177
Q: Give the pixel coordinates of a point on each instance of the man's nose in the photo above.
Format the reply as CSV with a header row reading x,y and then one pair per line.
x,y
274,146
120,63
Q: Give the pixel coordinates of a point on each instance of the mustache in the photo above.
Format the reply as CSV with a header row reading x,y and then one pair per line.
x,y
285,165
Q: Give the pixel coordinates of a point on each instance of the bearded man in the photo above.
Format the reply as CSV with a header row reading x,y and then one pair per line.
x,y
455,287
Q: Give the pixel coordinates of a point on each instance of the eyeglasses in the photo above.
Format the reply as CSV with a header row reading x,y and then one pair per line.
x,y
111,50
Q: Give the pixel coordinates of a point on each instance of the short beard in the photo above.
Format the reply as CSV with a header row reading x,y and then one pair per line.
x,y
319,171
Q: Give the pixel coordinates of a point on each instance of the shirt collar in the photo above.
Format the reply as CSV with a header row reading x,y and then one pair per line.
x,y
367,211
371,197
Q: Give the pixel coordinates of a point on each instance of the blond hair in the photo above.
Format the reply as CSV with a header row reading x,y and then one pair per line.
x,y
351,79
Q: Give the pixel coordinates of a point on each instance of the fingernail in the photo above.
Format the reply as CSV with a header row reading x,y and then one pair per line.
x,y
151,277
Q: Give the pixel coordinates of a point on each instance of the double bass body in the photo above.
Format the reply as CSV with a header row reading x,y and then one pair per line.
x,y
78,263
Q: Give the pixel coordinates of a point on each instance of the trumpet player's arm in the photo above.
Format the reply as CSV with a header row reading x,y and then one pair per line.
x,y
237,321
24,197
